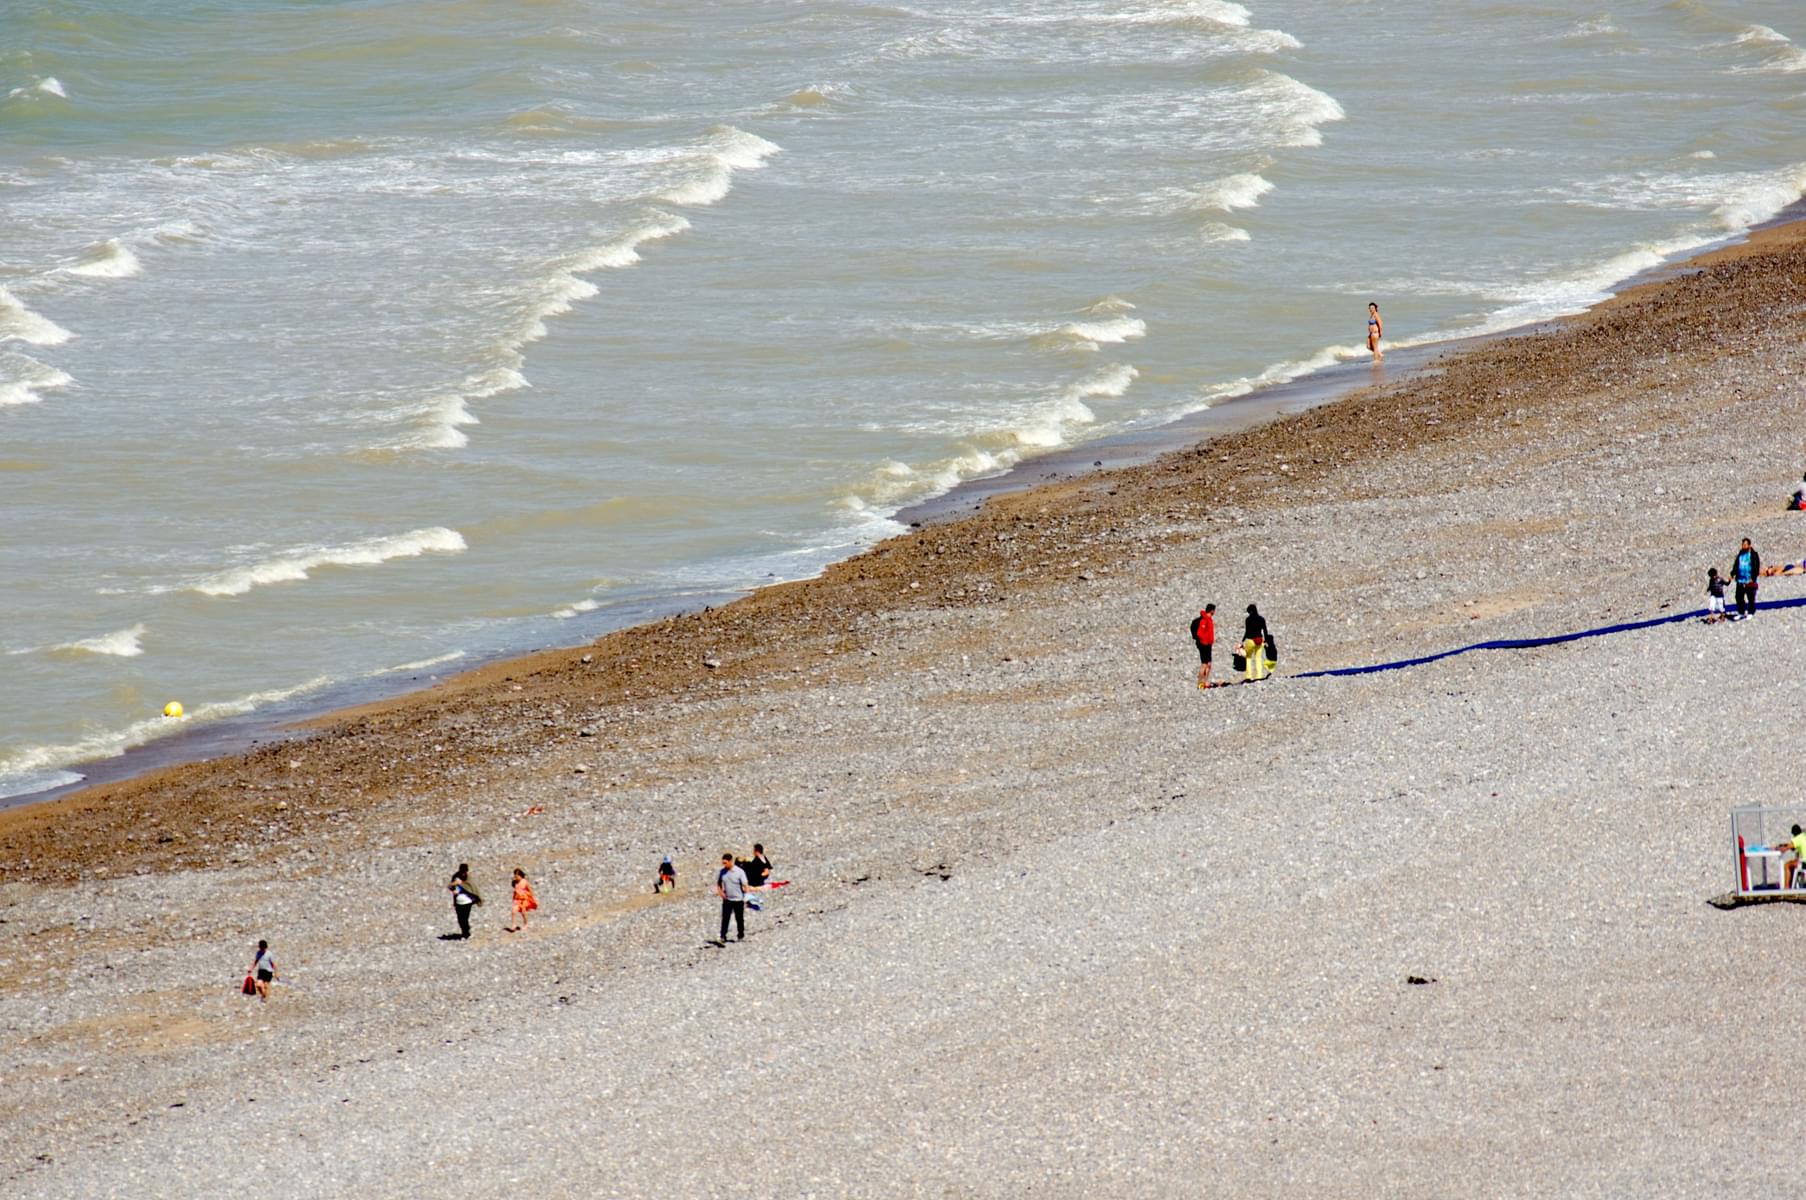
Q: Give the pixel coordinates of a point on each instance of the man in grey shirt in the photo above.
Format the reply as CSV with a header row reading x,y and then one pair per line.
x,y
730,885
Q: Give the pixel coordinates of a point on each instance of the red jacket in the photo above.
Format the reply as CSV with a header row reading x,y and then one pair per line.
x,y
1204,629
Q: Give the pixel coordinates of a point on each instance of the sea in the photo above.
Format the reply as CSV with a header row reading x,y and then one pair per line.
x,y
343,340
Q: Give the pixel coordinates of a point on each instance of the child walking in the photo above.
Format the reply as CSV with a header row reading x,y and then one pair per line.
x,y
524,901
1714,596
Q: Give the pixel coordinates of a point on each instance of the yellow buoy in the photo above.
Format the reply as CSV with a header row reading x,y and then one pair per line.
x,y
173,709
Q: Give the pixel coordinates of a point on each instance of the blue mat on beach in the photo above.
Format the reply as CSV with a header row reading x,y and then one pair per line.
x,y
1526,643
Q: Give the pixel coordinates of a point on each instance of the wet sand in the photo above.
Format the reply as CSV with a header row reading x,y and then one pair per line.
x,y
1003,696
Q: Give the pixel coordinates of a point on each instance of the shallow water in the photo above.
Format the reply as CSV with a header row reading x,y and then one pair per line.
x,y
348,337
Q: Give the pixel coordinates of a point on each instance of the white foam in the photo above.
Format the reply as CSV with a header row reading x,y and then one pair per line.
x,y
122,643
1110,304
624,250
296,564
577,609
30,379
1283,372
112,259
22,771
25,783
20,324
48,86
1233,192
422,665
1216,231
1112,331
706,174
1295,109
1785,57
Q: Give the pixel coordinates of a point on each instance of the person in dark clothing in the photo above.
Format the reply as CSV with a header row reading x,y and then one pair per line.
x,y
1204,633
1714,596
464,898
730,885
1746,572
666,879
1254,645
757,868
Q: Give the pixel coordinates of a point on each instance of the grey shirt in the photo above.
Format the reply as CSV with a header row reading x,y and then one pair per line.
x,y
733,884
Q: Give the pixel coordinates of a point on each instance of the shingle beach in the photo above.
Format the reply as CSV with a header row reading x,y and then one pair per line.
x,y
1059,924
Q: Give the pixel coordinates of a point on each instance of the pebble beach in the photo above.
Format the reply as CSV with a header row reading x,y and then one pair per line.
x,y
1059,923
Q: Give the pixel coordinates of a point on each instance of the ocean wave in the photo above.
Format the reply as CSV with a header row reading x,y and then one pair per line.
x,y
423,664
577,609
111,259
1233,192
816,95
555,293
28,379
1216,231
47,86
624,250
23,771
553,118
121,643
706,174
297,564
21,324
1042,425
1284,372
1296,110
1089,335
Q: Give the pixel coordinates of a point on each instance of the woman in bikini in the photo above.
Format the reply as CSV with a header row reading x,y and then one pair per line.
x,y
1375,330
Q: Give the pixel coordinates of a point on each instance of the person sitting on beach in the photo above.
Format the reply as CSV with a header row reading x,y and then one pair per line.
x,y
524,902
1204,635
1254,646
757,868
1797,847
666,881
1797,501
1714,596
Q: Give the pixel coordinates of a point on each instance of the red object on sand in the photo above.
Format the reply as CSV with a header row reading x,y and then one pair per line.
x,y
778,883
1743,865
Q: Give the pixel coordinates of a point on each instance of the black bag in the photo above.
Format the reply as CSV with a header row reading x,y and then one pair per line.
x,y
1272,649
1239,662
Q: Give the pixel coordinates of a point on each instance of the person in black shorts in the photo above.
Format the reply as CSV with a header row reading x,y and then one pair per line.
x,y
1204,634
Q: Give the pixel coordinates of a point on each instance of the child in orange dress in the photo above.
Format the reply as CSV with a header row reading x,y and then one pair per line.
x,y
524,901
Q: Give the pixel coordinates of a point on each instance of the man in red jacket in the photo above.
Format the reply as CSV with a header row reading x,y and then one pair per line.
x,y
1204,632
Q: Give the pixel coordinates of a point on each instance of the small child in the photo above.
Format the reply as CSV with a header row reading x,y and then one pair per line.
x,y
667,877
1714,596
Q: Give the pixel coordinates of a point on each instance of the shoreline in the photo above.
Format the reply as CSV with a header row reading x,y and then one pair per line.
x,y
1037,875
1264,406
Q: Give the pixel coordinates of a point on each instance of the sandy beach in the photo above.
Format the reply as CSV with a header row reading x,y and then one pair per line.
x,y
1059,923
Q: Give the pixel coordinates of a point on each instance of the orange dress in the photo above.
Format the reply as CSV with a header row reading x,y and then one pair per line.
x,y
523,897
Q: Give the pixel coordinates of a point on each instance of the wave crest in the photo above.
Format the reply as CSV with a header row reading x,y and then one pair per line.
x,y
19,323
111,259
297,564
707,173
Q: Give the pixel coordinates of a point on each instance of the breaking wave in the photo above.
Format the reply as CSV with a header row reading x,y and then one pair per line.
x,y
19,323
111,259
706,174
29,379
297,564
